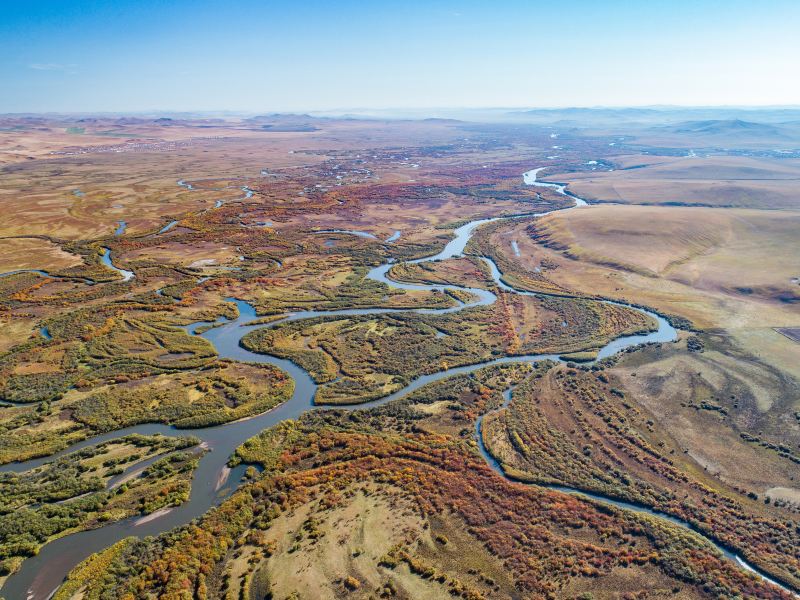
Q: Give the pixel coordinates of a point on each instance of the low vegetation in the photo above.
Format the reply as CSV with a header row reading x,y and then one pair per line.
x,y
84,490
360,358
397,501
574,427
459,519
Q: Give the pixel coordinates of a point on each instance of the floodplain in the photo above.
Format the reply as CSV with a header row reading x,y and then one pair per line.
x,y
599,401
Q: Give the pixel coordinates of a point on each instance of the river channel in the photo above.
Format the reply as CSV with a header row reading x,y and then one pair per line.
x,y
39,576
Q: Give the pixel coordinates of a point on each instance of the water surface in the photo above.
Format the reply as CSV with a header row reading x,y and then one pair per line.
x,y
39,576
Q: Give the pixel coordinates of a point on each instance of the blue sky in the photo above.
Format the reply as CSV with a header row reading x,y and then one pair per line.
x,y
134,55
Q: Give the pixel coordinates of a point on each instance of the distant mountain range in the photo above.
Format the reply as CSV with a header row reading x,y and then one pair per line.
x,y
727,132
737,119
728,126
284,122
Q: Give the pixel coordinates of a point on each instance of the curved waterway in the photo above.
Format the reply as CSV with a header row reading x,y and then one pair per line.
x,y
167,227
355,232
498,467
248,193
18,271
212,481
106,260
85,280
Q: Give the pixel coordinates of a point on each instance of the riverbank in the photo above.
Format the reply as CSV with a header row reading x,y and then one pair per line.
x,y
40,575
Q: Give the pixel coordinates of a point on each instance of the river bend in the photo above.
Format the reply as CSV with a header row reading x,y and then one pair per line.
x,y
39,576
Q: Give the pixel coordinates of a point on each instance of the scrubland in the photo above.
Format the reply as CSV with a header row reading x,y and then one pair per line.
x,y
398,501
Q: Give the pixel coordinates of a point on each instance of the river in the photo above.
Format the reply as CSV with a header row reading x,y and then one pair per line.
x,y
40,576
106,260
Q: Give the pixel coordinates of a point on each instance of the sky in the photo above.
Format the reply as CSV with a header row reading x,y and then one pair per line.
x,y
251,56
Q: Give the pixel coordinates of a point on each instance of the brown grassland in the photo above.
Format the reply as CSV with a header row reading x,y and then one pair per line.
x,y
448,525
398,501
733,270
721,181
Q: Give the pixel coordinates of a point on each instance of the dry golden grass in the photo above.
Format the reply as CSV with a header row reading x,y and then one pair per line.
x,y
195,255
671,384
15,331
337,552
34,253
736,181
353,539
38,189
706,248
133,177
721,268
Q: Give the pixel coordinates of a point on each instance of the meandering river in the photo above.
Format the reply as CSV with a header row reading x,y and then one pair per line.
x,y
40,576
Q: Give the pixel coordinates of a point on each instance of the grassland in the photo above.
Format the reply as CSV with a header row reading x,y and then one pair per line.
x,y
82,491
34,253
397,501
372,512
731,270
719,181
720,389
367,357
576,428
466,272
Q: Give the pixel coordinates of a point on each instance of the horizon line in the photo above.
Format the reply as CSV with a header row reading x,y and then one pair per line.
x,y
297,111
